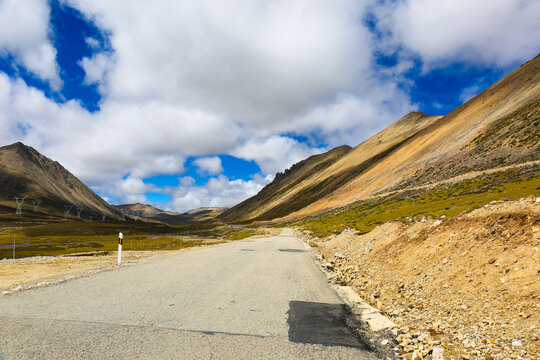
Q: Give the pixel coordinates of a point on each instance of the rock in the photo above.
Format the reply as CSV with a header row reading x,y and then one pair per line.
x,y
384,342
516,343
437,353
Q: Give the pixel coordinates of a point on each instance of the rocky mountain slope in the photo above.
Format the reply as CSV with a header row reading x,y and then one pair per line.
x,y
149,212
25,172
497,128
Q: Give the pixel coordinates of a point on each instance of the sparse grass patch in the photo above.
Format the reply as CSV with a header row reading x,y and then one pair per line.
x,y
242,234
449,200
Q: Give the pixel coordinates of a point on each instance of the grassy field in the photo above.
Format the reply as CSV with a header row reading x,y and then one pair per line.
x,y
448,200
70,236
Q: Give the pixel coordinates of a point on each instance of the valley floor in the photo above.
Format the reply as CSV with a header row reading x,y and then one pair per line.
x,y
470,283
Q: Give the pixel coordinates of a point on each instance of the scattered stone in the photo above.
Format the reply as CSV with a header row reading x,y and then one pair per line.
x,y
437,353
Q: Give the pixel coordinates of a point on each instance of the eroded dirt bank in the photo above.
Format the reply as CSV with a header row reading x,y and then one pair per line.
x,y
469,284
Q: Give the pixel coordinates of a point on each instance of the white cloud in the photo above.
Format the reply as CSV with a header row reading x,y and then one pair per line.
x,y
93,43
24,27
478,31
274,153
210,165
219,191
189,79
258,62
142,139
97,68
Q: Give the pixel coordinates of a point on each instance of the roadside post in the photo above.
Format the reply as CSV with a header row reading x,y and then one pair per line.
x,y
14,244
120,238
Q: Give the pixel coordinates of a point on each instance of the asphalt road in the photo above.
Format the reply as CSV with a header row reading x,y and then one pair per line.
x,y
252,299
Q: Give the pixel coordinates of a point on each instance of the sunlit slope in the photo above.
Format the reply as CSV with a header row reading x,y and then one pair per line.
x,y
320,175
499,127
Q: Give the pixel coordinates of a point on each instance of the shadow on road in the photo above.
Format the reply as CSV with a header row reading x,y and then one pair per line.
x,y
292,250
320,323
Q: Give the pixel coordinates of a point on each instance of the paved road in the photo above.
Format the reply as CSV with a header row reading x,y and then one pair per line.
x,y
252,299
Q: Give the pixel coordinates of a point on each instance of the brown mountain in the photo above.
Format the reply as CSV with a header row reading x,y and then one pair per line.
x,y
25,172
149,212
499,127
320,175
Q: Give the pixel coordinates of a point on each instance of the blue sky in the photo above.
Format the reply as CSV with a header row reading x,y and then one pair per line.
x,y
187,105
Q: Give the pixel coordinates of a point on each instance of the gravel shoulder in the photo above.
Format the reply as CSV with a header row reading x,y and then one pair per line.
x,y
469,284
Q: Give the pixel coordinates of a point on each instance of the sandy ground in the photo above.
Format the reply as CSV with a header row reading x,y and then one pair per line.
x,y
469,284
21,274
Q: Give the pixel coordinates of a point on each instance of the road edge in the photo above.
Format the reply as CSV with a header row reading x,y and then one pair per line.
x,y
373,328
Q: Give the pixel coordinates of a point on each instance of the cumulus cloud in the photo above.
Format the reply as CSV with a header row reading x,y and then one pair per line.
x,y
142,139
219,191
274,153
478,31
96,69
208,165
259,62
189,79
24,28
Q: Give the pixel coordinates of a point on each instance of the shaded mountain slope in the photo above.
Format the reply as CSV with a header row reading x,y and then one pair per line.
x,y
149,212
284,187
25,172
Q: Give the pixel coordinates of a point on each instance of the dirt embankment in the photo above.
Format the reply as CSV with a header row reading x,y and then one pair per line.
x,y
469,284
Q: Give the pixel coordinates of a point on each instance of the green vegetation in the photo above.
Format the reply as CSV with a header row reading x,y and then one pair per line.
x,y
242,234
449,200
70,236
521,128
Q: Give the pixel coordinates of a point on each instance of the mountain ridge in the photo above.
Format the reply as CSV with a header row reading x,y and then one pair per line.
x,y
26,172
498,127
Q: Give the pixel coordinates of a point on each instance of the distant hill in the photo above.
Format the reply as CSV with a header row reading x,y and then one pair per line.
x,y
149,212
499,127
25,172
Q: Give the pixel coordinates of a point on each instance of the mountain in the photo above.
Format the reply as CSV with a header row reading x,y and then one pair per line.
x,y
148,212
320,175
499,127
25,172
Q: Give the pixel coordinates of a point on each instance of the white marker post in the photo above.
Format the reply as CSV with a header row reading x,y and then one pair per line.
x,y
120,238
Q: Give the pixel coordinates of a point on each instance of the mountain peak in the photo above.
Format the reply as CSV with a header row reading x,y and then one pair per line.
x,y
26,172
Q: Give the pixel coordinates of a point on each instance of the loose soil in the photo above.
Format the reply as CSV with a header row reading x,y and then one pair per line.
x,y
469,284
21,274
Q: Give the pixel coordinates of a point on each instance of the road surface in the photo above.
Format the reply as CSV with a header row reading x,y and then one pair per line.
x,y
254,299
